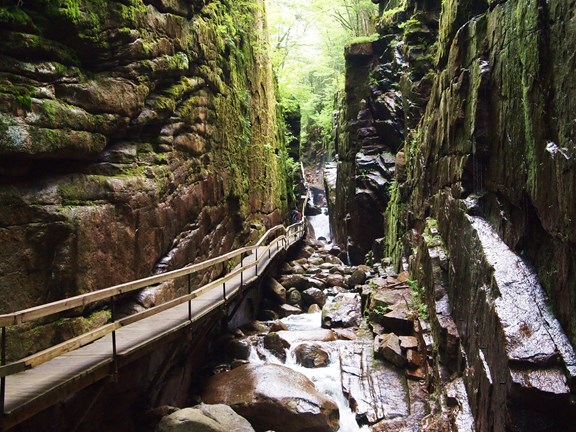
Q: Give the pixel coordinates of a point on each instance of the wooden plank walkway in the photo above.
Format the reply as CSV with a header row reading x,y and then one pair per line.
x,y
36,389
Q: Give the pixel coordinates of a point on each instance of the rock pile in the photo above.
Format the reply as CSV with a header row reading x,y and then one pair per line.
x,y
368,328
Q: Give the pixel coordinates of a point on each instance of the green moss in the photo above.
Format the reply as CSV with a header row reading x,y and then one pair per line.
x,y
15,18
362,40
21,94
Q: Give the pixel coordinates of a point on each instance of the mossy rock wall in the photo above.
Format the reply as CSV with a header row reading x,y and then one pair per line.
x,y
135,137
494,151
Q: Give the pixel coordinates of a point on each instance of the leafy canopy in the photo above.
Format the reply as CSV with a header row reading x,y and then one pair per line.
x,y
307,39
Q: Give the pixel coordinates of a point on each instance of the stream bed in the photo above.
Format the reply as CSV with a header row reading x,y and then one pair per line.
x,y
326,379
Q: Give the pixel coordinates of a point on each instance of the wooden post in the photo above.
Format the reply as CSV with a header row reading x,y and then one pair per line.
x,y
3,380
114,357
242,272
190,300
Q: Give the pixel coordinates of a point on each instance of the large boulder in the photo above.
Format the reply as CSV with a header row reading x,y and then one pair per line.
x,y
204,418
314,296
343,311
274,397
275,290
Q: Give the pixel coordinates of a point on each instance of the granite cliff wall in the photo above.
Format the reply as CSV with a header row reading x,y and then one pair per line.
x,y
480,203
135,136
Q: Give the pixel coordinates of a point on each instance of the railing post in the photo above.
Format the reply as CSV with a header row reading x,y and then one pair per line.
x,y
242,272
3,380
224,292
114,356
189,300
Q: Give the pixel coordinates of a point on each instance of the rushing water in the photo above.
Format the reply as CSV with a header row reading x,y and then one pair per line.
x,y
321,224
326,379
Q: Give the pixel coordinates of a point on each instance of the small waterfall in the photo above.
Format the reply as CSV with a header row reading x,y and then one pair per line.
x,y
321,225
327,379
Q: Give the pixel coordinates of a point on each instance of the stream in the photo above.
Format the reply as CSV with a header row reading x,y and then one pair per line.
x,y
327,379
321,225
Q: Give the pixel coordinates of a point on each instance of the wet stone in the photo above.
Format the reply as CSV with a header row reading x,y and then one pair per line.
x,y
342,311
377,391
276,345
388,347
293,297
311,355
314,296
287,310
277,326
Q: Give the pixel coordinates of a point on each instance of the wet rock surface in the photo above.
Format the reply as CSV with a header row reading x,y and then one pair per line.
x,y
384,379
118,122
204,418
273,397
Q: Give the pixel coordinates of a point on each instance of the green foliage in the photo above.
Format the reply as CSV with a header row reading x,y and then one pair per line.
x,y
418,302
307,50
380,310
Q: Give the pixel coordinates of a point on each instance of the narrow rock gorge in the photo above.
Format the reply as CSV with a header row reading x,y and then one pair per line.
x,y
141,136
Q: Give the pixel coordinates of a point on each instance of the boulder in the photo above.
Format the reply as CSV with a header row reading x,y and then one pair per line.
x,y
314,296
388,347
274,397
255,327
316,261
342,311
408,342
276,345
293,297
268,315
336,280
275,290
287,310
239,349
316,283
293,281
311,355
358,277
314,308
277,326
398,320
204,418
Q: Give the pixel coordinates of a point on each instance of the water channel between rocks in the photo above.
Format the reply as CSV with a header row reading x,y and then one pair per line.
x,y
327,379
321,225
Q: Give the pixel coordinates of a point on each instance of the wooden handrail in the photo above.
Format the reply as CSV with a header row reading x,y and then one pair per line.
x,y
52,308
84,299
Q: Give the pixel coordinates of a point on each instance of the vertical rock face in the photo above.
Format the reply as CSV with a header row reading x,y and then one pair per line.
x,y
386,90
493,161
135,136
482,202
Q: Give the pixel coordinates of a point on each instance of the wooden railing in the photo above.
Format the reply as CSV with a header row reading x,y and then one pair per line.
x,y
281,237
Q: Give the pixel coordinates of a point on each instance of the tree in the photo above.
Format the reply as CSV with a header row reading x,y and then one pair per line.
x,y
307,49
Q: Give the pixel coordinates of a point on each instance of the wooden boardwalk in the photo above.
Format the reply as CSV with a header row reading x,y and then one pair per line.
x,y
35,389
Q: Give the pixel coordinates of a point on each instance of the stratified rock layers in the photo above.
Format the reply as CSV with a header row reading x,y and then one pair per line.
x,y
135,136
482,200
493,162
